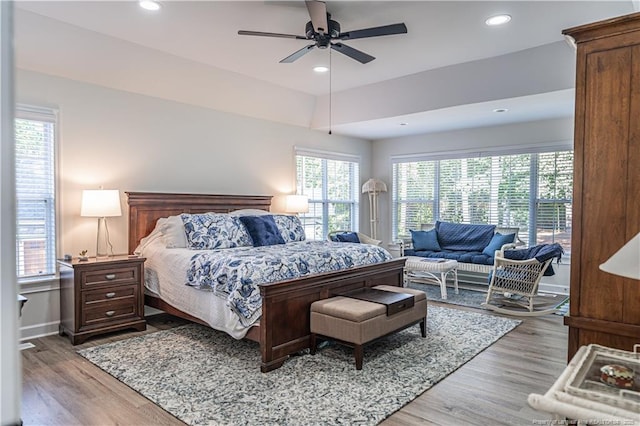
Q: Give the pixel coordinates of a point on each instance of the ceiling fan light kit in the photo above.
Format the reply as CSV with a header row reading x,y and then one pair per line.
x,y
325,33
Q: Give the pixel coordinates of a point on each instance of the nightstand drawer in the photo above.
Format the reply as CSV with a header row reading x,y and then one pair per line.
x,y
91,297
114,276
104,312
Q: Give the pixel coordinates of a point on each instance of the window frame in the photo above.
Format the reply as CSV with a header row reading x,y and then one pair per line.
x,y
325,201
437,157
51,115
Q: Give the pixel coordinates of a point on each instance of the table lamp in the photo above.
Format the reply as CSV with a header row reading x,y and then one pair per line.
x,y
296,204
101,203
626,261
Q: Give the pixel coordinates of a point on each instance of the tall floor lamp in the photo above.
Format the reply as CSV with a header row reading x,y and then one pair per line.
x,y
374,187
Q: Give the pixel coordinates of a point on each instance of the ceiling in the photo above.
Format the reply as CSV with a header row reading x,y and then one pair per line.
x,y
440,34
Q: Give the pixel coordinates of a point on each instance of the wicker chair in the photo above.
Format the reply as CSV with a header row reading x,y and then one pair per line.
x,y
515,283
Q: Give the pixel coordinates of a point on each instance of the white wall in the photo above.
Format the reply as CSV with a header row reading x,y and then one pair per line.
x,y
134,142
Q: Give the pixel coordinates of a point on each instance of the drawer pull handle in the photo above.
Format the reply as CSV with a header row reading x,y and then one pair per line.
x,y
110,295
110,313
110,277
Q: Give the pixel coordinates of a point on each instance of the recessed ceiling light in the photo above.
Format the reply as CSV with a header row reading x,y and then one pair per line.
x,y
500,110
404,124
321,68
497,20
149,4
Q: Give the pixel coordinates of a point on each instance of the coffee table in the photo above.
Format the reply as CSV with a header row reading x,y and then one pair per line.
x,y
422,269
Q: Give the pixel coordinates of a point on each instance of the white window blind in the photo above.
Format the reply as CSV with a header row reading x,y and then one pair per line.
x,y
35,134
332,186
531,191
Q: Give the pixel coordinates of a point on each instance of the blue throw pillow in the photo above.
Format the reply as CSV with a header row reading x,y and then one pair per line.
x,y
425,240
498,241
348,237
262,229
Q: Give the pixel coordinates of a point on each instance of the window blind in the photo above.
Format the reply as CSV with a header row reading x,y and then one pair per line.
x,y
333,190
35,134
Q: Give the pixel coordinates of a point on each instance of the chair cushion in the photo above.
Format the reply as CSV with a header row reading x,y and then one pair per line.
x,y
347,237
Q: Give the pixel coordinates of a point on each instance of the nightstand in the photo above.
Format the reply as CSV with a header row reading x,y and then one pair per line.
x,y
101,295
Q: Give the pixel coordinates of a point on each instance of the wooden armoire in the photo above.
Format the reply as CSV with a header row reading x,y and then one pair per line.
x,y
605,308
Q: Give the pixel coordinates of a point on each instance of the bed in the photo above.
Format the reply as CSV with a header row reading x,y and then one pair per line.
x,y
284,325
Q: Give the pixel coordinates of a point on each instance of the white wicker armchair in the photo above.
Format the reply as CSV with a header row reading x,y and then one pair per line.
x,y
364,239
515,283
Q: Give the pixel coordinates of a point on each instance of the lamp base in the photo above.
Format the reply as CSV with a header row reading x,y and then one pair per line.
x,y
103,246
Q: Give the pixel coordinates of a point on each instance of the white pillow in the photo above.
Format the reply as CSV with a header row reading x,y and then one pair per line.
x,y
249,212
173,232
152,237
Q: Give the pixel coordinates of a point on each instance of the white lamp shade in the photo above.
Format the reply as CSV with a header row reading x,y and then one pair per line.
x,y
626,261
296,204
100,203
374,185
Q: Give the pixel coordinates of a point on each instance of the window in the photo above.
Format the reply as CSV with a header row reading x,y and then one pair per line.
x,y
531,191
331,181
35,133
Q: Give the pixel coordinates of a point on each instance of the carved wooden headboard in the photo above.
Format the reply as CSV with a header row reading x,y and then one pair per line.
x,y
145,208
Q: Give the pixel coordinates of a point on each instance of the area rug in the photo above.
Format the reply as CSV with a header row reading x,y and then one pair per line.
x,y
475,298
203,376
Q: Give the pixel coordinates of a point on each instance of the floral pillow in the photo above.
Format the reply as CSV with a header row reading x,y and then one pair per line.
x,y
290,227
208,231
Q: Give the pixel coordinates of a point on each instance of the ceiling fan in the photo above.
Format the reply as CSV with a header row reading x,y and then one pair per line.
x,y
323,31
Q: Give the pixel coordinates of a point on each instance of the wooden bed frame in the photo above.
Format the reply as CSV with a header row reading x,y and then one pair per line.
x,y
284,325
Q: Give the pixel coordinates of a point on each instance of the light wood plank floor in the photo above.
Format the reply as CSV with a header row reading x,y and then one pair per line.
x,y
62,388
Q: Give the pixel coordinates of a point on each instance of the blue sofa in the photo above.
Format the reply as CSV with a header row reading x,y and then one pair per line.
x,y
472,245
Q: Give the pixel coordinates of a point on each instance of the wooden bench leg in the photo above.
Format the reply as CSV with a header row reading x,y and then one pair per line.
x,y
358,352
423,327
313,344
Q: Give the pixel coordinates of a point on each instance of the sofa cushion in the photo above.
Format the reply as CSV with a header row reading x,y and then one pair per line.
x,y
476,257
464,237
425,240
497,241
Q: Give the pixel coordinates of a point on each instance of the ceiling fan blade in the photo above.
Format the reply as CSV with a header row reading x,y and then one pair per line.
x,y
318,13
352,53
374,32
258,33
297,54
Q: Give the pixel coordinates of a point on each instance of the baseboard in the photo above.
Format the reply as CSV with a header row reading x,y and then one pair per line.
x,y
39,330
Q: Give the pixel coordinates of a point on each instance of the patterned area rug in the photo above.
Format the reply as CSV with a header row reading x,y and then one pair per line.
x,y
203,376
475,298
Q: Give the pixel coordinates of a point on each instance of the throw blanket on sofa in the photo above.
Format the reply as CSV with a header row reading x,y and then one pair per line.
x,y
235,274
541,253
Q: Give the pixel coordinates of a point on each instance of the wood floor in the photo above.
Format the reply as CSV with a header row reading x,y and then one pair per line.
x,y
62,388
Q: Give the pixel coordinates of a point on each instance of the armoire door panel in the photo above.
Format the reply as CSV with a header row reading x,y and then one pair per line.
x,y
607,104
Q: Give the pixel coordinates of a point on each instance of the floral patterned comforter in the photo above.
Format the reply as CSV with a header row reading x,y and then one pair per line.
x,y
236,273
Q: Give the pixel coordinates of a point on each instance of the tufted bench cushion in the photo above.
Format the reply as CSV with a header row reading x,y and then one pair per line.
x,y
357,322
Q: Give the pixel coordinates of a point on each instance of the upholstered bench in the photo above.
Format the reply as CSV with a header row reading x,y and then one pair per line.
x,y
357,322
